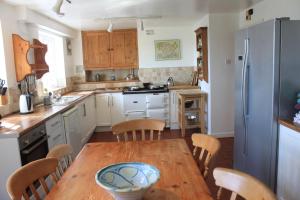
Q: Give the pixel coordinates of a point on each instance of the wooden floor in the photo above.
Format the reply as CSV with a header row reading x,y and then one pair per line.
x,y
225,157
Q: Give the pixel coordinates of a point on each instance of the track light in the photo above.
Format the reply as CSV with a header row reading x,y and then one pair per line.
x,y
110,27
142,25
56,8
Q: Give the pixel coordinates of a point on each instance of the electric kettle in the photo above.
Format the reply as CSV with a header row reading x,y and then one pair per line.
x,y
26,103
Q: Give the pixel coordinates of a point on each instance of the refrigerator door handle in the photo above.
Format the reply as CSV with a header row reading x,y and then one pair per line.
x,y
244,101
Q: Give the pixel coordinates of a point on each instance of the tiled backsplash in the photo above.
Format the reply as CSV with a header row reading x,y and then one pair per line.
x,y
119,74
14,93
181,75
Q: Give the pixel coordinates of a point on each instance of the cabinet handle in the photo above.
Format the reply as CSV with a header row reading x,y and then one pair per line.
x,y
84,110
112,101
108,101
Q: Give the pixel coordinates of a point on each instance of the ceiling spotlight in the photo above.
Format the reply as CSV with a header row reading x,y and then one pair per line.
x,y
110,27
142,25
57,7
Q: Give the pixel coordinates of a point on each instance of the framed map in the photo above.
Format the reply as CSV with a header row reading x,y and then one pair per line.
x,y
167,50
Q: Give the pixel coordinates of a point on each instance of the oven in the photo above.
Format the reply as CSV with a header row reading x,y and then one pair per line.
x,y
33,145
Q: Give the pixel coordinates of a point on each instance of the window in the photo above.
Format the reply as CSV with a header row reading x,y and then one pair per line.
x,y
2,58
56,78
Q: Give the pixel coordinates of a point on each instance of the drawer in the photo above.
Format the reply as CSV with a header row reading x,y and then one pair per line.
x,y
134,102
54,124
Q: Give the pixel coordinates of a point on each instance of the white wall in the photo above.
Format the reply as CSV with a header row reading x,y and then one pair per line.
x,y
205,86
220,86
270,9
147,51
222,28
23,22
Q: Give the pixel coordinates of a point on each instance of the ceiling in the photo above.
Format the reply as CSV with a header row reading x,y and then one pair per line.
x,y
89,14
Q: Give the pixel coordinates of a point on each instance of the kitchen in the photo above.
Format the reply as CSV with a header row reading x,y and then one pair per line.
x,y
106,70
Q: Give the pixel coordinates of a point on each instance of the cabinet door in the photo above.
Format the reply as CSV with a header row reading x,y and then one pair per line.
x,y
174,110
117,108
96,49
117,41
83,120
103,110
131,54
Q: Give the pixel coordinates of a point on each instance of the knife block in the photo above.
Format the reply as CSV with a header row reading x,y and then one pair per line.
x,y
3,100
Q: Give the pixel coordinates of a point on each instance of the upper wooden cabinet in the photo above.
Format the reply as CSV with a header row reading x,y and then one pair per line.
x,y
115,50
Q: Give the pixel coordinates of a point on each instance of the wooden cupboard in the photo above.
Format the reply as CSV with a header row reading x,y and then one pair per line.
x,y
202,53
115,50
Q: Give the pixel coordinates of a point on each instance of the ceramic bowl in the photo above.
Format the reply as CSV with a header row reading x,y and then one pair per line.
x,y
127,181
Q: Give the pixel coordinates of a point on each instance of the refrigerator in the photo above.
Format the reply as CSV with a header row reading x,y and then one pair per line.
x,y
267,79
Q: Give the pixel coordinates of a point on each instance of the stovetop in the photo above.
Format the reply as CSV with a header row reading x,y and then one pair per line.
x,y
143,90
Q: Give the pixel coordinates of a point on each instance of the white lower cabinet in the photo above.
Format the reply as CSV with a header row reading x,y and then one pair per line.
x,y
87,118
288,178
110,109
56,131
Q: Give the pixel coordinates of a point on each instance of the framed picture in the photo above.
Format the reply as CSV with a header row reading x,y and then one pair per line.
x,y
167,50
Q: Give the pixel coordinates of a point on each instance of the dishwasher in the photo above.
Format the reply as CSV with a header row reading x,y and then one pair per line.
x,y
72,129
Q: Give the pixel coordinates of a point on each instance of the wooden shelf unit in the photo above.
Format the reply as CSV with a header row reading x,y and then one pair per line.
x,y
202,53
22,65
197,110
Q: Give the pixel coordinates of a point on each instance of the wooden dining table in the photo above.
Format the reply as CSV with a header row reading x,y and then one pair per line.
x,y
180,177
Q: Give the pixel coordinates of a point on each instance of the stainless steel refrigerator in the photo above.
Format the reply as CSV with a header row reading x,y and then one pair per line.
x,y
267,78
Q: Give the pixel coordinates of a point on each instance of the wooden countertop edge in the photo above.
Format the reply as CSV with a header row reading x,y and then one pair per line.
x,y
289,124
17,133
8,133
104,82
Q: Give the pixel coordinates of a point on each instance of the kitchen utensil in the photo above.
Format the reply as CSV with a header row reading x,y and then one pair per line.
x,y
170,81
3,91
189,103
98,77
128,181
146,85
26,103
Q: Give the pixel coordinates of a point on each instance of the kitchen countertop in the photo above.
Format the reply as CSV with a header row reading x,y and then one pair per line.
x,y
16,124
182,87
290,124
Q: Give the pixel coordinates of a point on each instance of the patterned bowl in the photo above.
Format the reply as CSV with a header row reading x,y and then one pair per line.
x,y
127,181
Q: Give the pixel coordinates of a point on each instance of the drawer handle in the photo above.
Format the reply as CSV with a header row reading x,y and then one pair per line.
x,y
135,102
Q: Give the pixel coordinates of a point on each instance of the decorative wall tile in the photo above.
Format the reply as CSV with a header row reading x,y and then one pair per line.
x,y
181,75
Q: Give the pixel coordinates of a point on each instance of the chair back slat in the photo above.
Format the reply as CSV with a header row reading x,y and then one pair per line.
x,y
241,184
139,126
33,190
44,185
151,135
133,135
233,196
25,196
62,153
208,147
143,135
25,176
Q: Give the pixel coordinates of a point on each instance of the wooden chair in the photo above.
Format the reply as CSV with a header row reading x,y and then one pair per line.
x,y
208,147
241,184
138,126
23,179
62,153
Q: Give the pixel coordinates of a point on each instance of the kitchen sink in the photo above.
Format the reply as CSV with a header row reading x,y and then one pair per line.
x,y
64,100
